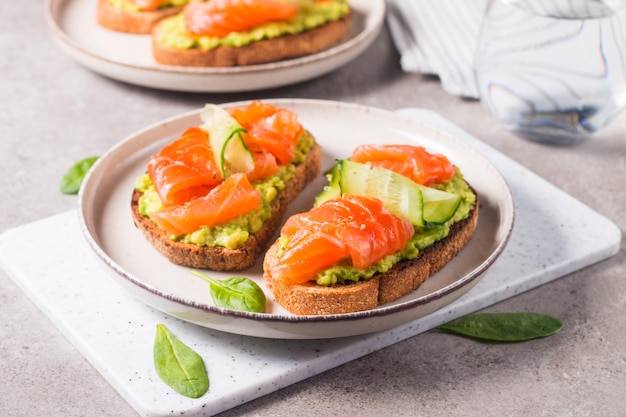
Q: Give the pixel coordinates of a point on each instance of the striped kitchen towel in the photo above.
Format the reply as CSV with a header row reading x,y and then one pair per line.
x,y
438,37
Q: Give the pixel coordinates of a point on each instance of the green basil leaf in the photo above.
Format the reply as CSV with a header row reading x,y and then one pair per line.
x,y
236,293
504,327
178,365
73,177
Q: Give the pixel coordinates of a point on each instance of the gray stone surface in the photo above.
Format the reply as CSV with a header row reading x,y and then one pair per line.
x,y
54,112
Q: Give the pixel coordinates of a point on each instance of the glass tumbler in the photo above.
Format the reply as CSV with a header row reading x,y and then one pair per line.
x,y
553,71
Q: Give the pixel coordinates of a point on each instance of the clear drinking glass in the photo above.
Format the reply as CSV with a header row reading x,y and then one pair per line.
x,y
553,71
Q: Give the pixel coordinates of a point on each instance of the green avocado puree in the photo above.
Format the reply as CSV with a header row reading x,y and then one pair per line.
x,y
130,6
236,232
423,237
312,14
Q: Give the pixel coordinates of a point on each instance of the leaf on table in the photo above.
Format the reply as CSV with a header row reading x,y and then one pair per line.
x,y
504,327
74,176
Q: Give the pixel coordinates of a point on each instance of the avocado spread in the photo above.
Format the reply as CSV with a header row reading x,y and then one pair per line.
x,y
312,14
130,6
234,233
423,237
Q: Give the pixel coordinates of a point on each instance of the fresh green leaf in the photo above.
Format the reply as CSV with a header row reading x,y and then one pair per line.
x,y
178,365
73,177
236,293
504,327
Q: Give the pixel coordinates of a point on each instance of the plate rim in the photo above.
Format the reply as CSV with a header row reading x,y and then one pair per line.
x,y
441,293
362,39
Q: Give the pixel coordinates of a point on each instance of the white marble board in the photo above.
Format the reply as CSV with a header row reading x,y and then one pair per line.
x,y
115,332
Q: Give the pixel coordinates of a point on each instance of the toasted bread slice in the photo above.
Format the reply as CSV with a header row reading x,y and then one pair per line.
x,y
140,22
259,52
223,259
406,276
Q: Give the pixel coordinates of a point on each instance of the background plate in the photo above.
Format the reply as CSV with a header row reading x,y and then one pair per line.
x,y
127,57
339,128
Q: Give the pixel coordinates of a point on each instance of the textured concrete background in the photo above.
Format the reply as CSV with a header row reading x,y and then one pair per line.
x,y
54,112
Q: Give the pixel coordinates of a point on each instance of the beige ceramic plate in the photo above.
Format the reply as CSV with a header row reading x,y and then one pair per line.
x,y
107,224
128,58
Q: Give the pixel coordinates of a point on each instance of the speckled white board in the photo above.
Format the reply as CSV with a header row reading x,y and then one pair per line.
x,y
115,332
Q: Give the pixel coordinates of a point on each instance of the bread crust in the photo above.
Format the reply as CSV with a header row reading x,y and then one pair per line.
x,y
259,52
404,277
223,259
131,22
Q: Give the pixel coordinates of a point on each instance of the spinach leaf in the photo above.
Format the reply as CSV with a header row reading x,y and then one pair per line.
x,y
73,177
503,327
178,365
236,293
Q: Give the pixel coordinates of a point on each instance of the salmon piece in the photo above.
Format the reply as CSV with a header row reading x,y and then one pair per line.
x,y
270,129
220,17
148,5
265,166
414,162
232,198
184,169
253,112
277,134
307,255
358,229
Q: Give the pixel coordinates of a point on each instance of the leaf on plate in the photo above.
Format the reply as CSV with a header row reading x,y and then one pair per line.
x,y
73,177
236,293
504,327
178,365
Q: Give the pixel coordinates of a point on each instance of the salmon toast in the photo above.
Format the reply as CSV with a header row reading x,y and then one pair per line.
x,y
391,216
214,197
228,33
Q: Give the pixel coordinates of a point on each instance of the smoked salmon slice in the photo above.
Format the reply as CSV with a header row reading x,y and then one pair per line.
x,y
270,129
355,228
307,255
253,112
265,166
184,169
414,162
148,5
277,134
220,17
231,198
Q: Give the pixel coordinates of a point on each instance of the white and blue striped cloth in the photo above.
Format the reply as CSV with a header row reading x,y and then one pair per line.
x,y
440,36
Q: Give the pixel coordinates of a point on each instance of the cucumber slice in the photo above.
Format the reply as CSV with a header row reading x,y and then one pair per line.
x,y
401,196
225,135
439,206
331,190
